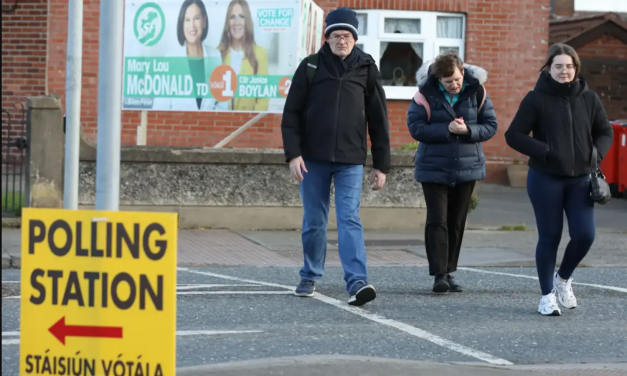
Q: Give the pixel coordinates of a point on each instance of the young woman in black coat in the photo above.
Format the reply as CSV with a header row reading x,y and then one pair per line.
x,y
569,124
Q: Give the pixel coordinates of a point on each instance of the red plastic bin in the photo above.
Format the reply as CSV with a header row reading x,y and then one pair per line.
x,y
622,159
609,164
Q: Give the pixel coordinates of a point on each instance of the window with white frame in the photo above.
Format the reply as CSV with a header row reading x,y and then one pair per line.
x,y
400,41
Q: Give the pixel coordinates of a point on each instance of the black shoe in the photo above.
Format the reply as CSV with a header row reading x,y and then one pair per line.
x,y
441,284
454,286
362,294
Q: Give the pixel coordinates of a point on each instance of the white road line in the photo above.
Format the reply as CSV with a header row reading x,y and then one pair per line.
x,y
234,293
613,288
181,333
220,292
214,332
11,282
209,286
416,332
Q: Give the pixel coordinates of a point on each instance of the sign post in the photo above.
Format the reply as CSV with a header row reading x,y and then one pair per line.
x,y
73,87
98,293
109,105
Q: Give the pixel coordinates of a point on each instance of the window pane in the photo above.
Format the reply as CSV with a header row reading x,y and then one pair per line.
x,y
399,62
446,49
402,25
362,28
450,27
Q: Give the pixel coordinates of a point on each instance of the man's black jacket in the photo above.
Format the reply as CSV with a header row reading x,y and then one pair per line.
x,y
328,121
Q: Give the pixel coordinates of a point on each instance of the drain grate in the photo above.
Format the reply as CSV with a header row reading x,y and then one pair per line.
x,y
388,242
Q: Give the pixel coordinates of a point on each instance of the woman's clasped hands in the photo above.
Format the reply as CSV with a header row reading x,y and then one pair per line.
x,y
458,126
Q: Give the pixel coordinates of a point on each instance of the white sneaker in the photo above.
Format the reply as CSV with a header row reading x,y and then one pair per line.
x,y
564,290
548,305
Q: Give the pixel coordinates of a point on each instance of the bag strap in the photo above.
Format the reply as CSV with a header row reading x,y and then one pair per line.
x,y
312,65
483,94
595,167
371,83
421,100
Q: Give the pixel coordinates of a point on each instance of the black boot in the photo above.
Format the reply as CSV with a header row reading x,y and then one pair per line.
x,y
441,284
454,286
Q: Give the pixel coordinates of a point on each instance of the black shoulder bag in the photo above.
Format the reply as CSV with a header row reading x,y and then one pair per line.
x,y
599,189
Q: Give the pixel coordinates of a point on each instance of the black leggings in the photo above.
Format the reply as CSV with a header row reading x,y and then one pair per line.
x,y
551,196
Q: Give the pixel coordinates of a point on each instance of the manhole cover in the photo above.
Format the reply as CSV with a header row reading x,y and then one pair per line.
x,y
389,242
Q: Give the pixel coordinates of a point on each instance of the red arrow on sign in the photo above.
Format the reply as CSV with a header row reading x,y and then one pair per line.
x,y
60,331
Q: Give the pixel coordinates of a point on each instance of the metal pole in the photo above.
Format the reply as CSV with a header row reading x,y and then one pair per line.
x,y
73,84
109,105
239,130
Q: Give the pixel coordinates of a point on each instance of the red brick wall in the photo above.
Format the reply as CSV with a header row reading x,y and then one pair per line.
x,y
24,33
603,66
509,41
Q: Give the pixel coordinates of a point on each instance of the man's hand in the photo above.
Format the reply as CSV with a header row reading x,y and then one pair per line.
x,y
377,180
458,126
297,167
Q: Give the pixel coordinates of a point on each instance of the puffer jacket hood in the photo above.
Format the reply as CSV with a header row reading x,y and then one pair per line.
x,y
424,71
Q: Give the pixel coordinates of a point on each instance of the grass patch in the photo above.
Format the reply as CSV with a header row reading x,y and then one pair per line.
x,y
12,202
474,202
513,228
411,146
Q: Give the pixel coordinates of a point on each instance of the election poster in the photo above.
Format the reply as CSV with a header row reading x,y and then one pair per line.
x,y
312,21
201,55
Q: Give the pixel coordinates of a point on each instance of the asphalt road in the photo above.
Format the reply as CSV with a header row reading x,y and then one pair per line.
x,y
494,321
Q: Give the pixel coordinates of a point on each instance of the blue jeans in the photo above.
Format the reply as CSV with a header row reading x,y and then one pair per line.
x,y
552,196
315,190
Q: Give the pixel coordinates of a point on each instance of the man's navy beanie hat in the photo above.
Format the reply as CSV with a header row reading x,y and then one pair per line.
x,y
342,19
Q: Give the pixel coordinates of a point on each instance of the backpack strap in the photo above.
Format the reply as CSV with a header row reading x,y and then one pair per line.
x,y
371,83
421,100
481,96
312,65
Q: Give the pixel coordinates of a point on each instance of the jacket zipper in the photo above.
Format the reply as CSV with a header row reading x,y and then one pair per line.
x,y
337,120
572,137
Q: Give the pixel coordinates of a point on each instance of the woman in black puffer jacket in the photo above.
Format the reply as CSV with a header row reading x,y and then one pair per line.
x,y
569,124
450,117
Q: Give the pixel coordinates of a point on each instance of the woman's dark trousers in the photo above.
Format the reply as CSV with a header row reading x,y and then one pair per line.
x,y
551,196
447,210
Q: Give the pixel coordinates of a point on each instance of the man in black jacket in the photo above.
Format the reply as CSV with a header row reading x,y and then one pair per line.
x,y
325,124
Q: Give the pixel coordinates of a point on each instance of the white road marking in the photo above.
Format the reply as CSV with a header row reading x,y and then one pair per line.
x,y
214,332
213,292
234,293
181,333
208,286
416,332
613,288
11,282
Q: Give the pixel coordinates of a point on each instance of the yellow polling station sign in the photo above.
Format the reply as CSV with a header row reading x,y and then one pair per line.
x,y
98,293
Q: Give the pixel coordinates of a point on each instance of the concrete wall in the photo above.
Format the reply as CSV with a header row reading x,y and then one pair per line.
x,y
241,188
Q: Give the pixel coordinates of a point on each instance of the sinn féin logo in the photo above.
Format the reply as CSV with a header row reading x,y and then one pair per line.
x,y
149,24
